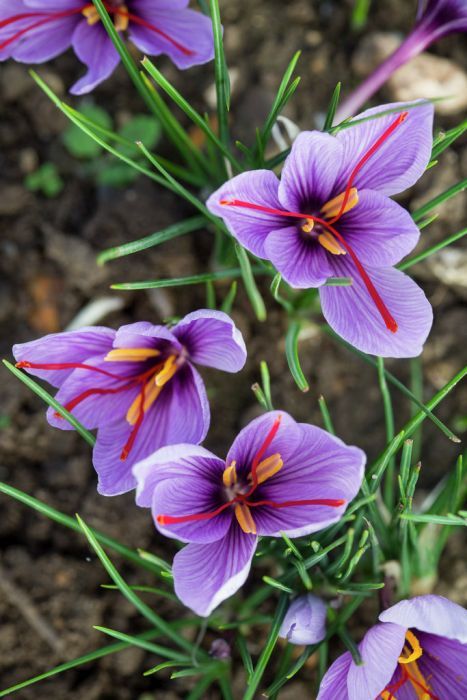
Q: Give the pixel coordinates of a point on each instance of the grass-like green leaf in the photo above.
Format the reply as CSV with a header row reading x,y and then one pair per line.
x,y
431,250
293,360
328,122
256,300
418,214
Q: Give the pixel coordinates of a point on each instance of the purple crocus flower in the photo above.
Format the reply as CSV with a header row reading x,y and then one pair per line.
x,y
330,216
138,386
435,19
34,31
279,476
305,621
417,652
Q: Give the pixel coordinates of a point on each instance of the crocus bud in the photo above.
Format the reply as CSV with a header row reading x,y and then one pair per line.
x,y
305,621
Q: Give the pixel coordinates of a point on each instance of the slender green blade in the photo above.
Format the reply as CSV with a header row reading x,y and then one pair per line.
x,y
328,122
182,281
293,360
432,249
256,300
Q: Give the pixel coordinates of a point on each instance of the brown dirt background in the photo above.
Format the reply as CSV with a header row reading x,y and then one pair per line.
x,y
48,273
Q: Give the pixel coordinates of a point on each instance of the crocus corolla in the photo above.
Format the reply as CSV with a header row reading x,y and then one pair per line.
x,y
330,215
34,31
138,385
279,476
418,651
305,620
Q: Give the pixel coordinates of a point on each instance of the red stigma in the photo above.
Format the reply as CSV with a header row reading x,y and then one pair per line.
x,y
331,502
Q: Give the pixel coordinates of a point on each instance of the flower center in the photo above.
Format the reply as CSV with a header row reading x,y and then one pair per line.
x,y
328,236
151,381
239,494
117,8
410,672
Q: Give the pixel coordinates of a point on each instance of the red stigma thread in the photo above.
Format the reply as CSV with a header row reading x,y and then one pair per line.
x,y
377,144
25,364
259,455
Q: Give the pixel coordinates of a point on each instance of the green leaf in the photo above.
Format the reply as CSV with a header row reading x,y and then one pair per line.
x,y
160,624
432,249
445,139
445,196
252,290
194,224
293,360
222,75
46,179
136,641
283,95
328,122
79,144
182,281
45,396
327,421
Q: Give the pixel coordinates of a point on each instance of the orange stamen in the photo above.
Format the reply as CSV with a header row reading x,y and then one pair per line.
x,y
245,519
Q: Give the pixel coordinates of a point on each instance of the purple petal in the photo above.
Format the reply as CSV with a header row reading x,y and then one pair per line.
x,y
44,40
305,621
334,683
352,314
164,424
430,613
444,663
52,5
145,335
250,440
310,171
380,649
174,461
98,408
207,574
191,496
94,48
302,262
379,230
71,347
248,226
212,339
320,467
187,35
402,158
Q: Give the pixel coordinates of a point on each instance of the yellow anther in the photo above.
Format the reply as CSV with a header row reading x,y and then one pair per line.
x,y
328,241
416,652
151,392
245,519
268,467
167,372
131,354
333,207
229,476
121,19
91,15
308,226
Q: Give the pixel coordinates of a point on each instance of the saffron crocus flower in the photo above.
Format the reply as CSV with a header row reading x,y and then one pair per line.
x,y
34,31
435,19
138,386
279,476
417,652
305,621
330,216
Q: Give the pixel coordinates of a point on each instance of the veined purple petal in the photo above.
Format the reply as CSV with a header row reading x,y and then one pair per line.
x,y
430,613
379,230
164,424
184,35
400,161
444,665
94,48
321,467
175,462
249,440
310,172
380,649
438,18
63,348
305,620
250,227
302,261
207,574
51,5
143,334
351,312
334,683
44,42
212,339
185,497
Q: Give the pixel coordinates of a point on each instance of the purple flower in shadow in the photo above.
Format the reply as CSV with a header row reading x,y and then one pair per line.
x,y
138,386
435,19
305,621
330,216
279,476
417,651
34,31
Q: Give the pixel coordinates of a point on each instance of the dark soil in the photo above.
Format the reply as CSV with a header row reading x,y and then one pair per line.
x,y
50,595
